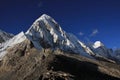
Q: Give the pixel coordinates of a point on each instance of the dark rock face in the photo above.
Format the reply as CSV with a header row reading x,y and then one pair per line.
x,y
1,39
24,62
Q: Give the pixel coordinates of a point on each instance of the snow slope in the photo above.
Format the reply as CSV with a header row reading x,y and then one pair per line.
x,y
9,43
47,33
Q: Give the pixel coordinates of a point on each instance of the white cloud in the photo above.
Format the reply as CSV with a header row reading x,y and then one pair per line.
x,y
95,31
81,33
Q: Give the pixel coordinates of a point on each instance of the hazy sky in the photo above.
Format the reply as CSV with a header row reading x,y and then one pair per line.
x,y
89,20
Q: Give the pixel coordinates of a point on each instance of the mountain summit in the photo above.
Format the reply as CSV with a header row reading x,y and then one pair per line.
x,y
97,44
47,33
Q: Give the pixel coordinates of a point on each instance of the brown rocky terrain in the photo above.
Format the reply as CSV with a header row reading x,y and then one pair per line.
x,y
24,62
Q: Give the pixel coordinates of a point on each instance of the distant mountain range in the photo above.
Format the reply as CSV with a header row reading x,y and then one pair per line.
x,y
47,33
46,37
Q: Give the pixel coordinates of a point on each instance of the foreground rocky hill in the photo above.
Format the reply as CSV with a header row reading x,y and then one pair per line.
x,y
24,62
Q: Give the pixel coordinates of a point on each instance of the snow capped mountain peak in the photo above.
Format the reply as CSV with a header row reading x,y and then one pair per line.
x,y
47,33
100,50
98,44
45,17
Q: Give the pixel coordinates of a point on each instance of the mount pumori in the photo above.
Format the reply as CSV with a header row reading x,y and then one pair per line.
x,y
45,33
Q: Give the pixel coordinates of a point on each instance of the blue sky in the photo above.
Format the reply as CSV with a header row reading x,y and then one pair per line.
x,y
89,20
